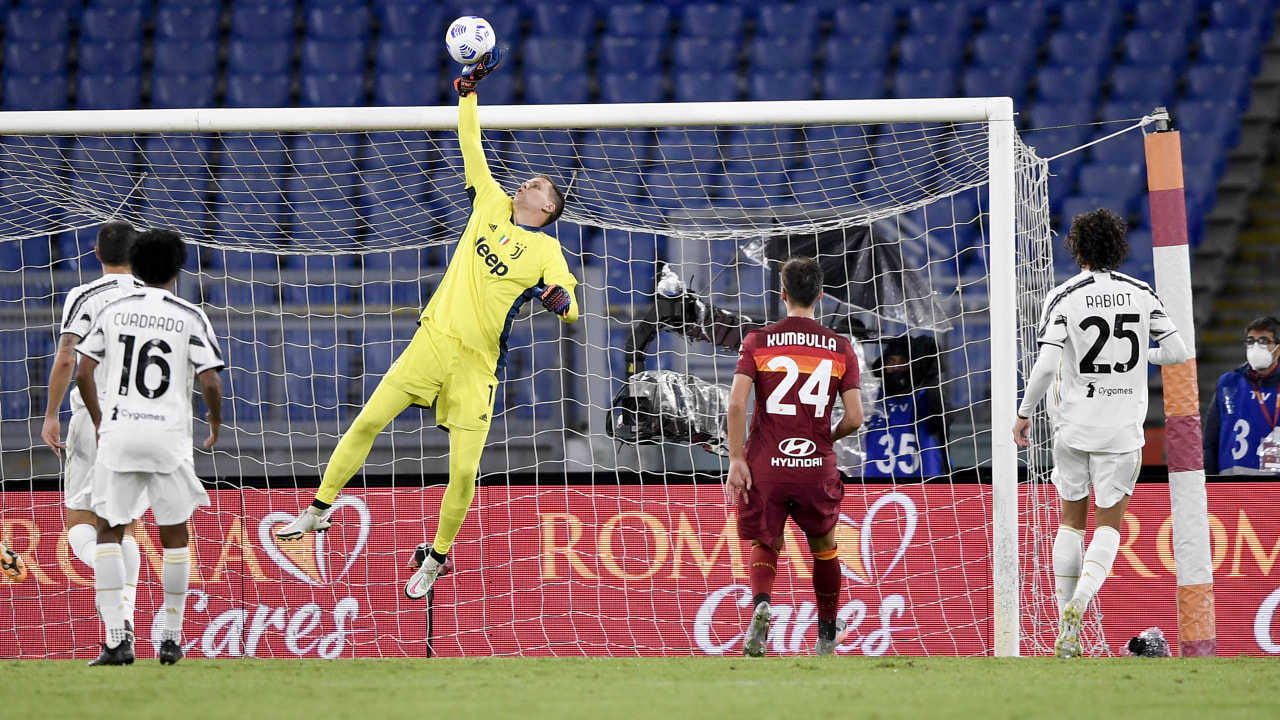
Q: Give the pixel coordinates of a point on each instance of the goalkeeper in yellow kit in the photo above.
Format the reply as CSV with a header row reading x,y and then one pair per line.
x,y
501,262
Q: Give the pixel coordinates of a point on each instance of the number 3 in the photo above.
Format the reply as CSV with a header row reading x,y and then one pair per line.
x,y
813,392
1241,439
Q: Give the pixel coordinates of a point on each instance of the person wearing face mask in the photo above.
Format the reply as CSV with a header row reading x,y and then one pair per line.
x,y
909,438
1240,436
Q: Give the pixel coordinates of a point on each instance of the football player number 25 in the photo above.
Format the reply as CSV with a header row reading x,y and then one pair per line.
x,y
151,353
813,392
1105,333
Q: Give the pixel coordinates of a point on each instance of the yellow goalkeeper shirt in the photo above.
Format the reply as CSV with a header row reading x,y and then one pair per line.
x,y
496,263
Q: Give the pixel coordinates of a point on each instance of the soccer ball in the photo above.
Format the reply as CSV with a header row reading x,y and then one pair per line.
x,y
468,39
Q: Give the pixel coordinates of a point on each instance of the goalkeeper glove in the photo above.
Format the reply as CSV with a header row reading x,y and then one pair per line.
x,y
556,299
473,74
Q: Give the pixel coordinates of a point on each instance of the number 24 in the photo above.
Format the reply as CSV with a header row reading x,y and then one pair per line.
x,y
813,392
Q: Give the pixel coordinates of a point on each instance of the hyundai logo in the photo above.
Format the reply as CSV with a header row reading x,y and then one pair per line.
x,y
797,447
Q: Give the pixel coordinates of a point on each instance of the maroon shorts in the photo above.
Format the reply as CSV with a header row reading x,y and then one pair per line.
x,y
815,506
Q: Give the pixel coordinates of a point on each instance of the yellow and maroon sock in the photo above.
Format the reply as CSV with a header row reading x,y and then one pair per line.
x,y
763,571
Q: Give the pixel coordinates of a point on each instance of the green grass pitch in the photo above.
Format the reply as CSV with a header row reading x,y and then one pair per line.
x,y
700,688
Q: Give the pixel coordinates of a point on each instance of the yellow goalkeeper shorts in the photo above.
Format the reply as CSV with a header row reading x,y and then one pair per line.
x,y
437,369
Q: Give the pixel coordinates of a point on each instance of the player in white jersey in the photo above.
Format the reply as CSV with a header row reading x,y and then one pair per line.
x,y
81,308
1094,335
150,344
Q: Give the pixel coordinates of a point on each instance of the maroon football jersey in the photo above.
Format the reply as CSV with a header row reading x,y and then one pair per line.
x,y
799,368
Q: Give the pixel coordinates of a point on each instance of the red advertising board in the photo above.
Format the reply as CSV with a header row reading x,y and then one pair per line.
x,y
609,570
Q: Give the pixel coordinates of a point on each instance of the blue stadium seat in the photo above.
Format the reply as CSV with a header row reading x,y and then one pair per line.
x,y
1152,85
249,377
108,92
499,89
931,51
1226,83
1100,17
1173,15
35,58
563,20
940,17
856,52
118,23
1077,204
638,20
1003,49
421,87
178,155
187,22
792,20
764,145
701,86
866,84
406,19
676,186
37,25
1155,48
310,363
997,81
1210,117
1079,48
333,90
185,57
254,153
632,87
1119,181
711,20
631,54
867,19
337,22
1241,14
1203,150
257,90
1129,110
333,56
262,21
325,154
262,219
269,57
102,154
111,57
545,88
699,146
1066,84
702,53
1055,114
1231,46
780,85
1025,17
555,54
780,53
407,55
924,83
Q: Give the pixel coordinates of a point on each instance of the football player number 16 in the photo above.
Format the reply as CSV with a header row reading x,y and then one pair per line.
x,y
813,392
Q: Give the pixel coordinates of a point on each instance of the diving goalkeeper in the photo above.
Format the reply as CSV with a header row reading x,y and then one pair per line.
x,y
501,262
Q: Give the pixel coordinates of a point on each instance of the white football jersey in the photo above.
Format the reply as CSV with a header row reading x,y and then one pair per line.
x,y
150,346
81,309
1102,321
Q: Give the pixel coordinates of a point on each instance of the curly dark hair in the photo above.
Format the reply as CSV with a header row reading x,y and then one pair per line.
x,y
157,256
1098,240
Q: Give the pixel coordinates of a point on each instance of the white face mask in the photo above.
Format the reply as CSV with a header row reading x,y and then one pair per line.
x,y
1259,358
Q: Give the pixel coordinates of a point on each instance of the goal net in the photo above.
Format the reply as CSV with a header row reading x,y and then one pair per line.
x,y
599,525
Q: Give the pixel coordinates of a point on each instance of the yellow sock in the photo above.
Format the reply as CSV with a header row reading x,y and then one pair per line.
x,y
384,405
465,447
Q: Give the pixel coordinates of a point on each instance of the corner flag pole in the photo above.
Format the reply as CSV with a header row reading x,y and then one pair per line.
x,y
1197,635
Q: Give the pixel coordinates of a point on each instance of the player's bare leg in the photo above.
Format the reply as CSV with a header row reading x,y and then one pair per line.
x,y
11,564
465,448
826,590
763,571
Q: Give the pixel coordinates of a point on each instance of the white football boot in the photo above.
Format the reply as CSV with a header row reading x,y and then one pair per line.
x,y
428,569
753,645
313,519
830,636
1068,643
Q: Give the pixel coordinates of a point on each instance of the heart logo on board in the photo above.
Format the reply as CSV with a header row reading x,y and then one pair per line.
x,y
856,549
306,558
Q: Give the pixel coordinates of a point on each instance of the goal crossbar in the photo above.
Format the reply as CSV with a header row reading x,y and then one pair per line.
x,y
506,117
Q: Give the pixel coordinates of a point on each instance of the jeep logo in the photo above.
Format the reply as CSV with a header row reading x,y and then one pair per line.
x,y
496,266
797,447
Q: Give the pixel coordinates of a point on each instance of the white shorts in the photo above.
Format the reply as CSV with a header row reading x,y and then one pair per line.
x,y
1112,475
122,497
82,451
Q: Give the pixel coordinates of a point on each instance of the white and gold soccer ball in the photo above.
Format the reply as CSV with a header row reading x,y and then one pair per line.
x,y
469,38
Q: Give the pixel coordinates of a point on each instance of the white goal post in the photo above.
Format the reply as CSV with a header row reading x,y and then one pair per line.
x,y
1017,271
